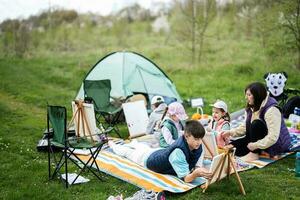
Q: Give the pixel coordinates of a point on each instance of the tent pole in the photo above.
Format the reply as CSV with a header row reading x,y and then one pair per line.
x,y
142,79
123,64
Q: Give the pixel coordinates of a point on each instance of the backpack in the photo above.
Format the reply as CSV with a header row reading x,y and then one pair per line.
x,y
290,105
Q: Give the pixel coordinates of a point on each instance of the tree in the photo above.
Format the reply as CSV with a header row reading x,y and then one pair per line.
x,y
16,37
22,40
291,21
192,24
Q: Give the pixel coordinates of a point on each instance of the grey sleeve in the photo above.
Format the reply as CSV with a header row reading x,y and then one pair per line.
x,y
150,125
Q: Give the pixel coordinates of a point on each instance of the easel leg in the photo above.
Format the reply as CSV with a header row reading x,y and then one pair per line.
x,y
228,169
222,166
226,158
238,177
213,175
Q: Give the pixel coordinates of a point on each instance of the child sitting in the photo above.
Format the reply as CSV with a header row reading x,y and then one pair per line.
x,y
180,159
159,107
172,127
220,122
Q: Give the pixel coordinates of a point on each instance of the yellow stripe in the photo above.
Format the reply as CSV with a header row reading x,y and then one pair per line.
x,y
111,168
184,187
157,175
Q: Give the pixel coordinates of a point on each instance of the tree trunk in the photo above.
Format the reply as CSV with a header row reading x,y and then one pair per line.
x,y
193,32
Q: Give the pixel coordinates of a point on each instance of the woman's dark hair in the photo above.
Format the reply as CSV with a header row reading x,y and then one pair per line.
x,y
194,128
259,92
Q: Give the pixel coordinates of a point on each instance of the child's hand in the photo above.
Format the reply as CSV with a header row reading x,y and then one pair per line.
x,y
229,146
200,171
227,140
208,129
225,134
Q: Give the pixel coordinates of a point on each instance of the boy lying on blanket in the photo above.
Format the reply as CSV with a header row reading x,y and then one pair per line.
x,y
180,158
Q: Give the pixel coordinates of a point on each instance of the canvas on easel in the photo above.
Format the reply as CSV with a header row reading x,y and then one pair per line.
x,y
210,145
136,118
84,120
215,168
223,165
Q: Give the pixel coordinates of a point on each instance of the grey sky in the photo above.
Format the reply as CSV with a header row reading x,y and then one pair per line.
x,y
12,9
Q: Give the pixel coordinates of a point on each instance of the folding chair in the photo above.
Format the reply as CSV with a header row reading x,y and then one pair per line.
x,y
57,117
99,92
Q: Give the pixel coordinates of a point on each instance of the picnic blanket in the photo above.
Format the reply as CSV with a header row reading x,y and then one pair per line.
x,y
142,177
265,160
126,170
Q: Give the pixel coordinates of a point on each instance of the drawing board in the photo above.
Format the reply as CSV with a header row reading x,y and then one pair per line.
x,y
216,161
211,144
136,118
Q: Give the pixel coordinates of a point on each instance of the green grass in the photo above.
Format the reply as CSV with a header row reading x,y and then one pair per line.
x,y
54,76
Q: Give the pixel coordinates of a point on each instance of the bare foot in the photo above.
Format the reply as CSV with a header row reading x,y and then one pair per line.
x,y
250,157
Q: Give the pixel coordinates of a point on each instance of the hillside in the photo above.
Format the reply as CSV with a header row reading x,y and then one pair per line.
x,y
47,63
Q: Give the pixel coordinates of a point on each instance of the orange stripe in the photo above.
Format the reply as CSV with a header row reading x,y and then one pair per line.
x,y
115,170
157,175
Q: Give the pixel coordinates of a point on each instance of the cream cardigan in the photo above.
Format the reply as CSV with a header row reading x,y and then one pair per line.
x,y
273,121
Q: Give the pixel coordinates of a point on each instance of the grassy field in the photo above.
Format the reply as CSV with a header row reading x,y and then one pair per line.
x,y
28,83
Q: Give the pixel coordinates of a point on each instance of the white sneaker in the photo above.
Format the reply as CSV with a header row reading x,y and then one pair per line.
x,y
143,195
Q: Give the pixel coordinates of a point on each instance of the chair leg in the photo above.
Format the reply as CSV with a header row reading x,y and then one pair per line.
x,y
111,123
49,161
86,164
116,129
66,166
116,117
58,164
95,155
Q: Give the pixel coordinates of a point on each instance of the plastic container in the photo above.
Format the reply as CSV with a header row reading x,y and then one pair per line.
x,y
297,165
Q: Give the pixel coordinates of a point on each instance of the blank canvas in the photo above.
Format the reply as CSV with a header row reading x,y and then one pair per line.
x,y
136,118
216,160
210,140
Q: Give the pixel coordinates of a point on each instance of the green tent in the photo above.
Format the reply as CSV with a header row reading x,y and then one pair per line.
x,y
131,73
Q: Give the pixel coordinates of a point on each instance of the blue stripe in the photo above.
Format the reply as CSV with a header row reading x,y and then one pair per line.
x,y
142,174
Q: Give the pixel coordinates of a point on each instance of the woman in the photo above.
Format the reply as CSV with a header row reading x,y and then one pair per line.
x,y
264,128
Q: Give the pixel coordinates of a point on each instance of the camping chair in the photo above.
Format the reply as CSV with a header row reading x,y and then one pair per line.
x,y
99,92
57,117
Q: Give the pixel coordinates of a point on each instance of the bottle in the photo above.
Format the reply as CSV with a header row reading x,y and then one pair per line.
x,y
297,165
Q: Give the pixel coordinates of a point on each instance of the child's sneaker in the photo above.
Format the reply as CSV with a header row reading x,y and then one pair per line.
x,y
145,195
160,196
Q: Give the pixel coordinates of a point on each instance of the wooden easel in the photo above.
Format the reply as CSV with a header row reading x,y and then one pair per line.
x,y
81,119
226,158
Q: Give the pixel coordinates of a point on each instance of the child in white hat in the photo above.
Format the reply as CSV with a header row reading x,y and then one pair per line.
x,y
220,122
158,105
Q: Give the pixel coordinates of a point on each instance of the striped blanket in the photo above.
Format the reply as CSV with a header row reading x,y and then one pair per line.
x,y
265,160
260,163
135,174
